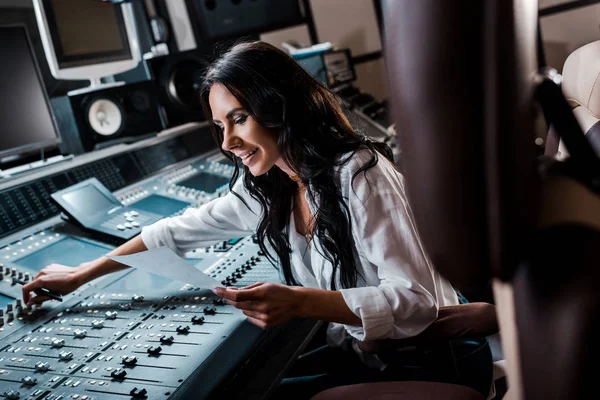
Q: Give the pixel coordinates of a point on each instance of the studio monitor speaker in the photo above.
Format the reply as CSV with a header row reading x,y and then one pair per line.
x,y
178,76
99,119
228,19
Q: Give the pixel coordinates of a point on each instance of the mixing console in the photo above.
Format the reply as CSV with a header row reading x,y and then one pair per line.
x,y
128,334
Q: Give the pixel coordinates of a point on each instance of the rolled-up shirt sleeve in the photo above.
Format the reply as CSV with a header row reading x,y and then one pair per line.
x,y
223,218
404,302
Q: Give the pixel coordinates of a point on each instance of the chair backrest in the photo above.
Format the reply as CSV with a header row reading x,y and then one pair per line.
x,y
581,88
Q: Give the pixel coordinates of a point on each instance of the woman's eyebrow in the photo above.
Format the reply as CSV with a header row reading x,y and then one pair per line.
x,y
229,114
233,111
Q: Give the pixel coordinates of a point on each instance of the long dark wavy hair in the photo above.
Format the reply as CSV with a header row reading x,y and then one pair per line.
x,y
314,137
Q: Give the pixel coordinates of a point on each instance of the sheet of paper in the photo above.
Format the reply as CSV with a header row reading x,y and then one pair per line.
x,y
163,261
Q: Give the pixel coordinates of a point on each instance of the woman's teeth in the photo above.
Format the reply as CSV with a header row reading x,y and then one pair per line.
x,y
249,154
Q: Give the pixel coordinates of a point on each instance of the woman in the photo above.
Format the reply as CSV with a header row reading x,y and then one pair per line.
x,y
327,204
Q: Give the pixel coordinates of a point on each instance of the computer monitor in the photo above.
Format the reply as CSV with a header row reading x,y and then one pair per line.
x,y
87,39
332,68
27,123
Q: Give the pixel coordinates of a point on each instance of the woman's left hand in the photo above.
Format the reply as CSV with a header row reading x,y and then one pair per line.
x,y
265,304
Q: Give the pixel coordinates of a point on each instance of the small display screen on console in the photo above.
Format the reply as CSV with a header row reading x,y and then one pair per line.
x,y
88,200
203,181
69,251
160,205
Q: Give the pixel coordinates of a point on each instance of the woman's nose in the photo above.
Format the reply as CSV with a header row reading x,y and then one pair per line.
x,y
229,140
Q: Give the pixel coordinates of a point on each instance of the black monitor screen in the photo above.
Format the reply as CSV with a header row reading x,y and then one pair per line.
x,y
25,119
86,32
88,200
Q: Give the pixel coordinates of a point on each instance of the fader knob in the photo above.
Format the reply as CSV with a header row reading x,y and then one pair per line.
x,y
42,366
9,307
118,373
129,361
79,333
154,350
219,301
137,298
97,324
29,380
10,316
111,315
198,319
58,343
11,394
138,394
1,267
183,329
209,310
65,355
27,277
167,339
125,307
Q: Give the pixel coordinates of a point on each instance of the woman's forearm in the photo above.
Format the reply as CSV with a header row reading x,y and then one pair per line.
x,y
104,265
326,305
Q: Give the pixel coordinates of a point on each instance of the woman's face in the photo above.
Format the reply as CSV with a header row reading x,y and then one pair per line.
x,y
242,135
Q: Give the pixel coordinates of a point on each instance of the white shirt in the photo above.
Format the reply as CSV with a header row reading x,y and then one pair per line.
x,y
401,291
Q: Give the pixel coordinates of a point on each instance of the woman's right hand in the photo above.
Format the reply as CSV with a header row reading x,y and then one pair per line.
x,y
57,278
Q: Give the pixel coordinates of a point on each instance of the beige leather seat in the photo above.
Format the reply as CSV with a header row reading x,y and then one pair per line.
x,y
581,88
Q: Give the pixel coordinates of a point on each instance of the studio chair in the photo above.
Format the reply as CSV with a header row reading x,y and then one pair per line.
x,y
581,88
464,321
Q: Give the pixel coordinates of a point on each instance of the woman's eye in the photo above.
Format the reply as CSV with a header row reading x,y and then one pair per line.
x,y
241,120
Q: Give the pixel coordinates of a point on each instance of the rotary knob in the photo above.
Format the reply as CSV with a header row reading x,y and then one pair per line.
x,y
58,343
29,380
41,366
79,333
111,315
198,319
97,324
65,355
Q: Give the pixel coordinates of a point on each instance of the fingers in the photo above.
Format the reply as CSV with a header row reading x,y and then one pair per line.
x,y
258,322
257,284
30,287
239,295
38,299
249,305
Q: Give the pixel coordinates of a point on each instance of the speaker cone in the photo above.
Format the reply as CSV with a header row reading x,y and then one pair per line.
x,y
105,117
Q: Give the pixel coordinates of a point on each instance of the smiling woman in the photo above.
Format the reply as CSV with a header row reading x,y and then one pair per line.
x,y
241,134
329,208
